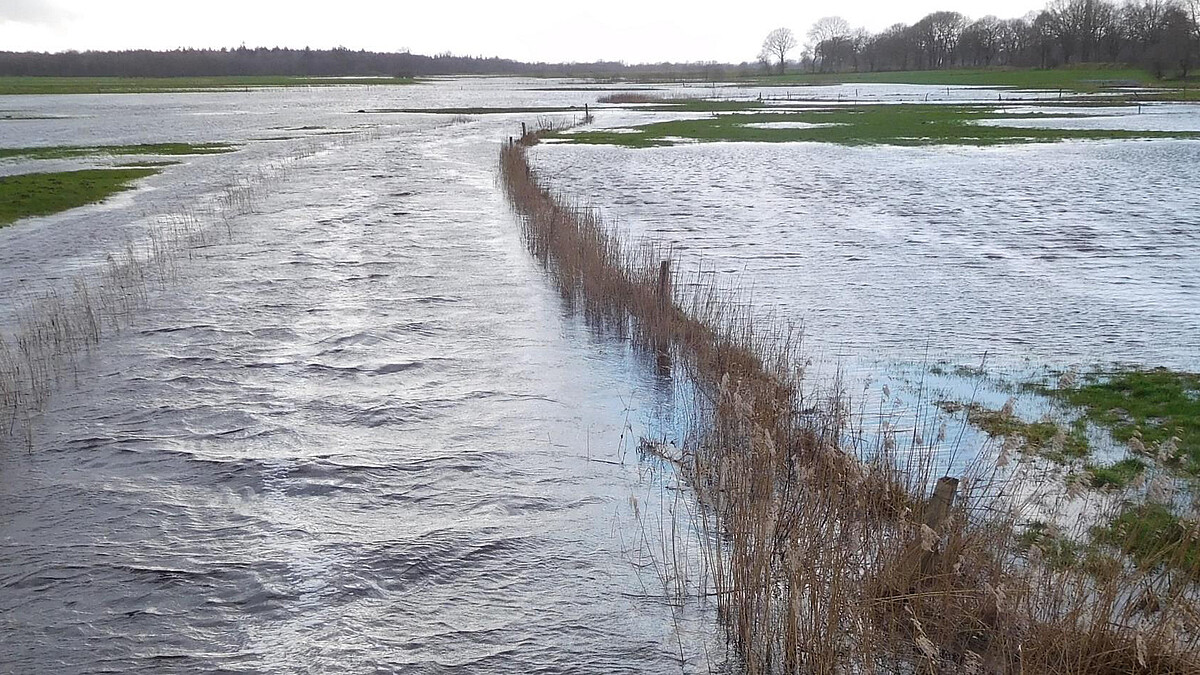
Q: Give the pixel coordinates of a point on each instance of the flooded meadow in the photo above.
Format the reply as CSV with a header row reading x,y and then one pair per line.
x,y
339,418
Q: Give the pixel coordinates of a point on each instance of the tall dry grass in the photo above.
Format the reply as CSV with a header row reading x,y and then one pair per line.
x,y
821,560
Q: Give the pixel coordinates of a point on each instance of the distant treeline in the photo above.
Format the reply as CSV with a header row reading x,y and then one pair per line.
x,y
1162,36
317,63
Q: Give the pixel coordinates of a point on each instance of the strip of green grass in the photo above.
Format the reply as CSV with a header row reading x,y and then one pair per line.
x,y
41,194
151,85
1084,79
911,125
72,151
1146,407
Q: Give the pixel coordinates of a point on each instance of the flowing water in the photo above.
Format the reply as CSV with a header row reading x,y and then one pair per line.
x,y
358,431
359,434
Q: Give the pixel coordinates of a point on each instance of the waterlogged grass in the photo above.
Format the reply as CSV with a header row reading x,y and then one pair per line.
x,y
1043,437
73,151
151,85
1116,475
910,125
41,194
1155,411
1153,535
1085,79
1150,534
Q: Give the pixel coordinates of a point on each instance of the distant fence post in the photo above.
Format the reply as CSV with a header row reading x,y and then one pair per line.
x,y
523,132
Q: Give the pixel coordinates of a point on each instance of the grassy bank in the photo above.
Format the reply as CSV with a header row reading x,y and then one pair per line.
x,y
151,85
41,194
826,559
908,124
74,151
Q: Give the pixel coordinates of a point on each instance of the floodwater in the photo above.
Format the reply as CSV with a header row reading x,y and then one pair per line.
x,y
358,431
359,434
938,273
1056,254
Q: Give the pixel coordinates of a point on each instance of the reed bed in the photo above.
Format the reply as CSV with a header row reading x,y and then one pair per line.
x,y
824,557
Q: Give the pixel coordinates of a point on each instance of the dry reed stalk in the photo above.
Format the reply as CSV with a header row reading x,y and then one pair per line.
x,y
822,561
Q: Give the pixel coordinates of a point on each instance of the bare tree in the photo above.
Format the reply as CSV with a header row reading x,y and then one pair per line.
x,y
778,43
980,42
1192,8
832,41
938,34
829,28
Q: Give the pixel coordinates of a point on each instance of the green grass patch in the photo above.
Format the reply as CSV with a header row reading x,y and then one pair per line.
x,y
1116,475
73,151
41,194
1075,79
1043,437
1149,408
151,85
1059,552
1152,535
908,125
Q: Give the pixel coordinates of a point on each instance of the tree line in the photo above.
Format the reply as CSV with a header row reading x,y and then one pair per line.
x,y
1162,36
338,62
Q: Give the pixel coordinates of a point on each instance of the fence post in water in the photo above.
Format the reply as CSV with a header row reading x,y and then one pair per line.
x,y
664,283
662,346
523,132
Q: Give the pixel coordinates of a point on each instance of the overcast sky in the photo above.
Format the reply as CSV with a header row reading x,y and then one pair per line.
x,y
634,31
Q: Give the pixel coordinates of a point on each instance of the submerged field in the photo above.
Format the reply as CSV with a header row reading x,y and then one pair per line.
x,y
325,383
863,125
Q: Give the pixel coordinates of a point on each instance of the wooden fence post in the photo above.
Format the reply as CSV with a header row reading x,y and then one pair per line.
x,y
664,283
935,518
